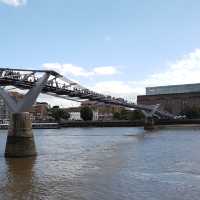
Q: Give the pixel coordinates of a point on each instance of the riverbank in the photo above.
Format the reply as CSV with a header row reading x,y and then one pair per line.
x,y
37,126
126,123
114,123
121,123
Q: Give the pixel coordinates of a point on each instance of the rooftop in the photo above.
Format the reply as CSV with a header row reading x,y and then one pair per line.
x,y
173,89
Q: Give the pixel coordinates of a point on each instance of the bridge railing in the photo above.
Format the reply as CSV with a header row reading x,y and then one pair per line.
x,y
57,84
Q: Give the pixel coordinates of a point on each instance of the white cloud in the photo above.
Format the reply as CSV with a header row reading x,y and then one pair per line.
x,y
107,70
70,69
67,69
182,71
115,88
55,101
14,3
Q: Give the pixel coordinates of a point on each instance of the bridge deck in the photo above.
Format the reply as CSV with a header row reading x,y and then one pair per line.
x,y
26,79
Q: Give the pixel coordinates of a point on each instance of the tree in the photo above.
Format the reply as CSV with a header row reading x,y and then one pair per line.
x,y
128,115
122,115
117,115
86,113
136,115
58,113
65,115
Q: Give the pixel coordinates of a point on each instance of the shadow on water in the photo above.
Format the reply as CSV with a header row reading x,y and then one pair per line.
x,y
143,134
19,178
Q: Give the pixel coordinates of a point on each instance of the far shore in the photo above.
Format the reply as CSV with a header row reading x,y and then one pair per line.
x,y
113,123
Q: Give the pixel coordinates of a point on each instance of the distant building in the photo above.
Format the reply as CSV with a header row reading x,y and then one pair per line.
x,y
173,89
16,95
39,111
174,98
74,113
101,110
4,111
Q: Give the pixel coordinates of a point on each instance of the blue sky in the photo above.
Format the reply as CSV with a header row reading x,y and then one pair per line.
x,y
112,46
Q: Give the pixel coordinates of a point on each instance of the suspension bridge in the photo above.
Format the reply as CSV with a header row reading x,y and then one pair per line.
x,y
20,141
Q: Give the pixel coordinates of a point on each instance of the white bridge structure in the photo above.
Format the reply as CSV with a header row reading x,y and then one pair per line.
x,y
20,139
54,84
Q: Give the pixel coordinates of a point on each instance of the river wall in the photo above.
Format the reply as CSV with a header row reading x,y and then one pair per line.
x,y
126,123
115,123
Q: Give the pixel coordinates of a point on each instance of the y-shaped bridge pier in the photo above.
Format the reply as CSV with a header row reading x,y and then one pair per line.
x,y
20,140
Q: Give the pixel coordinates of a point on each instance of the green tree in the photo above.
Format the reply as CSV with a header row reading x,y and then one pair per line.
x,y
136,115
57,113
86,113
128,115
122,115
117,115
65,115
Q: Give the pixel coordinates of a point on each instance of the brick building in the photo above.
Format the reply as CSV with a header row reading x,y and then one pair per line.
x,y
174,99
39,111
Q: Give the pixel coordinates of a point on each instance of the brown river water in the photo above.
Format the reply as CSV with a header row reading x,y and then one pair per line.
x,y
105,164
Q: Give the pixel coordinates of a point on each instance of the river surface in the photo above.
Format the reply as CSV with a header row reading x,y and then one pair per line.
x,y
105,164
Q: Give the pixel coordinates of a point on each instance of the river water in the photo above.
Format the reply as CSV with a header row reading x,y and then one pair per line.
x,y
105,164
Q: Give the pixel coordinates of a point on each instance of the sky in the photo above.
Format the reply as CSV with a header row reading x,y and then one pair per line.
x,y
116,47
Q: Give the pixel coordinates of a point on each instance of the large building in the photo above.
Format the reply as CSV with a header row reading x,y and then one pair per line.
x,y
4,111
173,89
39,111
76,115
174,98
103,111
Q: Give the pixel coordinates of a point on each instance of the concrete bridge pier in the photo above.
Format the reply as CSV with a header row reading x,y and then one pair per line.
x,y
20,139
149,124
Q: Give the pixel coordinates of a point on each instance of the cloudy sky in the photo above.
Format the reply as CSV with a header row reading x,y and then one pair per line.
x,y
117,47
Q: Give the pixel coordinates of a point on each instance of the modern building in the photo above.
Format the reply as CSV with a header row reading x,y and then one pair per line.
x,y
172,98
173,89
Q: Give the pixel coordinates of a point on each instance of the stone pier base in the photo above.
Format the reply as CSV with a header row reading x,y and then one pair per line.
x,y
20,139
149,124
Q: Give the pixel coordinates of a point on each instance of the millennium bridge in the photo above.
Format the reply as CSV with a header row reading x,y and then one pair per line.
x,y
20,140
